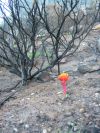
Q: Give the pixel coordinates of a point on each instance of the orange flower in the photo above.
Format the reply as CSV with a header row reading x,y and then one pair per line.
x,y
63,77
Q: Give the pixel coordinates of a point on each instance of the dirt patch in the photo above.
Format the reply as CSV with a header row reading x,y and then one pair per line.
x,y
40,107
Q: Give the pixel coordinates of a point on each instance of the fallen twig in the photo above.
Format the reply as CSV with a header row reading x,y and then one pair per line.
x,y
7,98
3,100
9,89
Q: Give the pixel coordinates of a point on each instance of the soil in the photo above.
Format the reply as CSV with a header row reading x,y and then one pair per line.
x,y
43,108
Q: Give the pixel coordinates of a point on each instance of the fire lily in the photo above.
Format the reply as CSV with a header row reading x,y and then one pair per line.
x,y
63,77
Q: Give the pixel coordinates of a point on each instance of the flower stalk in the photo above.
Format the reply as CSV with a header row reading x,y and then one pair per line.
x,y
63,77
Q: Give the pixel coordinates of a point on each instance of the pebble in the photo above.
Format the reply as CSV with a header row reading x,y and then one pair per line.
x,y
41,112
28,98
97,95
22,100
26,126
32,94
90,123
60,92
75,128
21,122
59,104
96,105
42,125
13,90
44,131
68,114
15,129
49,129
82,110
70,123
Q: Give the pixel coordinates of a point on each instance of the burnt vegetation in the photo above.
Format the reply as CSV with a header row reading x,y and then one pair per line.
x,y
35,37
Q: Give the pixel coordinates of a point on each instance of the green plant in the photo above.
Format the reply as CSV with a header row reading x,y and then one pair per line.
x,y
37,55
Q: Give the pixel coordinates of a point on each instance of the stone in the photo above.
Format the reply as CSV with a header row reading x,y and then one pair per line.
x,y
26,126
75,128
83,68
15,129
21,122
44,130
97,95
49,129
59,104
68,114
60,92
63,61
88,67
70,124
32,94
82,110
28,98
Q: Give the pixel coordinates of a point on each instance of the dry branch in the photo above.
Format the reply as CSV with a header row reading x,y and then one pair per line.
x,y
6,98
22,44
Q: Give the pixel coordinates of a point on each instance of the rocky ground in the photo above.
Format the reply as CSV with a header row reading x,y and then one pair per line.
x,y
42,107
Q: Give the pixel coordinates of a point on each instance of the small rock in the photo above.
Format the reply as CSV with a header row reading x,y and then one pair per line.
x,y
44,130
97,95
68,114
26,126
15,129
13,90
83,68
22,100
41,112
49,129
82,110
28,98
21,122
90,123
63,61
42,125
88,67
59,104
70,124
32,94
60,92
96,105
75,128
